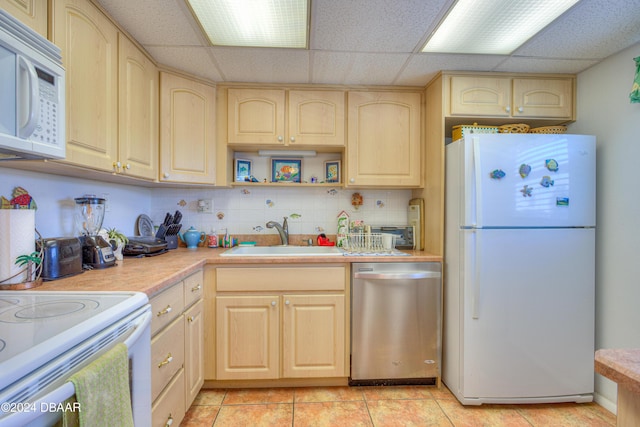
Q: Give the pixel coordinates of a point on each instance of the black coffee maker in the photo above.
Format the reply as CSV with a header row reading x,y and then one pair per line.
x,y
96,251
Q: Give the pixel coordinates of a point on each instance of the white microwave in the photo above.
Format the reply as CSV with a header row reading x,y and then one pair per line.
x,y
32,94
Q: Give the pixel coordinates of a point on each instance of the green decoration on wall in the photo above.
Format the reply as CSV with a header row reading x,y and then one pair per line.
x,y
634,96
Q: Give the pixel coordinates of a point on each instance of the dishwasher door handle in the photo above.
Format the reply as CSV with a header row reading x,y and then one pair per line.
x,y
411,275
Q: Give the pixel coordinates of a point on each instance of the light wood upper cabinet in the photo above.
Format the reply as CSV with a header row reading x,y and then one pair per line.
x,y
488,96
255,116
316,118
138,113
278,117
89,44
32,13
384,134
187,130
508,97
543,97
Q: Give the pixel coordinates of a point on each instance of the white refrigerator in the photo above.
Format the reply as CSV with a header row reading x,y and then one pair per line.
x,y
519,268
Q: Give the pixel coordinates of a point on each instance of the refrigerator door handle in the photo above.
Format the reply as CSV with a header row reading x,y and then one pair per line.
x,y
478,181
476,262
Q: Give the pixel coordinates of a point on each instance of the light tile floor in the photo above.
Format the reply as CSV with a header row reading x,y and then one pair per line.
x,y
377,406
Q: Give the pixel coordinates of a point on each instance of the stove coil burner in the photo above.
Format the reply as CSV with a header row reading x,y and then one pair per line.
x,y
48,310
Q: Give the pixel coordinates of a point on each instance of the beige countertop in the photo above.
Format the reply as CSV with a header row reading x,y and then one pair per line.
x,y
621,366
151,275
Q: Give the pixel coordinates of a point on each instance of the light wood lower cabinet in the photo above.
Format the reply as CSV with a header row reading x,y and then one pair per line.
x,y
281,322
177,349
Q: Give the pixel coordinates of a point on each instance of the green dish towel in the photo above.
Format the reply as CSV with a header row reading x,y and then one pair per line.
x,y
102,390
634,96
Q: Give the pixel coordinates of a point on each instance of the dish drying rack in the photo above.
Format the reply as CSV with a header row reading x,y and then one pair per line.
x,y
369,244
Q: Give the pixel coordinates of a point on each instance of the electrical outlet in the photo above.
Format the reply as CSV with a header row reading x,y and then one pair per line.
x,y
205,206
107,204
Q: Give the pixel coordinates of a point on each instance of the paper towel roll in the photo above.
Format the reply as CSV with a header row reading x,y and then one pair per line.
x,y
17,237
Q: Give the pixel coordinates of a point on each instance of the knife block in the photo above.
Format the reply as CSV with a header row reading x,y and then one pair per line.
x,y
172,241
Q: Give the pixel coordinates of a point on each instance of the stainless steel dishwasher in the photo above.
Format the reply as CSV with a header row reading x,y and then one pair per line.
x,y
395,323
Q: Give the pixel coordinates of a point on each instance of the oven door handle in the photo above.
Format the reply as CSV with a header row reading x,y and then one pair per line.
x,y
67,389
410,275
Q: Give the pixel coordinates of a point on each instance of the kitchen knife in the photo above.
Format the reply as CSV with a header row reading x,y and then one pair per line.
x,y
177,217
168,219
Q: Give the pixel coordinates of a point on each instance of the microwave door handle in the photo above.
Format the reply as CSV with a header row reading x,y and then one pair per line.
x,y
29,107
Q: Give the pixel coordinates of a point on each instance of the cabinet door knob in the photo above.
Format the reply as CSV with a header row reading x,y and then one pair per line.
x,y
352,180
292,139
190,319
169,421
520,109
280,138
273,303
127,166
287,302
196,288
507,109
165,175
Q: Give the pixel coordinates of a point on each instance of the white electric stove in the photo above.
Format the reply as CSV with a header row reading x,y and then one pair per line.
x,y
45,337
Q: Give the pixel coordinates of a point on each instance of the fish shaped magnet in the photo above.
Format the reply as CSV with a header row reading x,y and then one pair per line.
x,y
525,170
551,164
497,174
546,181
526,191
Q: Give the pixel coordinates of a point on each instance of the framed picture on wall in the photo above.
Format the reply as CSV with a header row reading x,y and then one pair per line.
x,y
243,170
286,170
332,171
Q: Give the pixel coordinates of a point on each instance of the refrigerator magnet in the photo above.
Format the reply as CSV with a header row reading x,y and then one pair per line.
x,y
525,170
551,164
562,201
546,181
526,191
497,174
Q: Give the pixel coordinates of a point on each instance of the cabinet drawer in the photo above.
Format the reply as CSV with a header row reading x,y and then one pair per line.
x,y
166,307
274,279
167,356
193,287
170,408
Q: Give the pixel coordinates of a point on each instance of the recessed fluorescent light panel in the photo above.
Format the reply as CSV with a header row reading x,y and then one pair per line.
x,y
254,23
493,26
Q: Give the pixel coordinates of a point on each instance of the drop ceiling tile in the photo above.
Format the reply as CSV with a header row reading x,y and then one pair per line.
x,y
372,25
157,22
356,68
263,65
421,68
593,29
194,60
541,65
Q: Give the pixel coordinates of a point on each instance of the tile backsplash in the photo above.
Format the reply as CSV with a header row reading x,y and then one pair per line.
x,y
244,210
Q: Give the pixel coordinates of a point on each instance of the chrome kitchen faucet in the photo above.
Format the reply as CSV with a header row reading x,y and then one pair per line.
x,y
283,230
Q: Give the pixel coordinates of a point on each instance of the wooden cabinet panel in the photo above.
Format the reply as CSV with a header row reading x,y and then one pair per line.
x,y
167,356
187,130
472,95
316,118
272,279
32,13
169,408
89,44
194,351
247,337
193,288
313,336
540,97
384,133
138,113
166,306
255,116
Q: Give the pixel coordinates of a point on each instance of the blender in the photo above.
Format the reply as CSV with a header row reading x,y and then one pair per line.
x,y
96,251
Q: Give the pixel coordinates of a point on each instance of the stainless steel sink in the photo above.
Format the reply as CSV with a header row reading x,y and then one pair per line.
x,y
293,251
